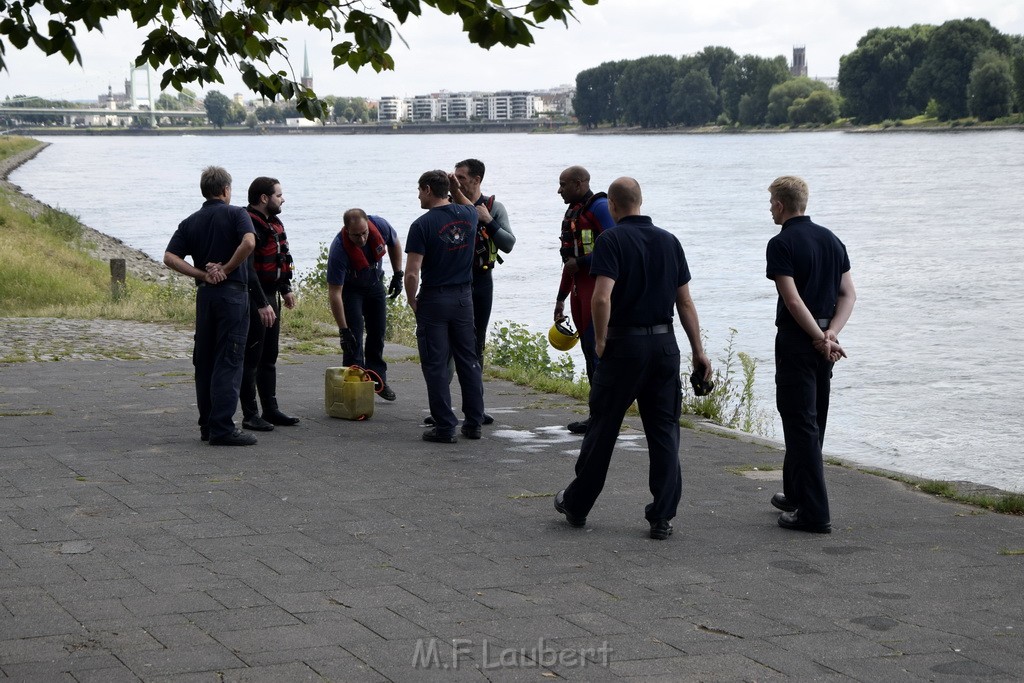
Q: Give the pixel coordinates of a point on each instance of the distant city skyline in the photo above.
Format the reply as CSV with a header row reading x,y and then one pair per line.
x,y
439,57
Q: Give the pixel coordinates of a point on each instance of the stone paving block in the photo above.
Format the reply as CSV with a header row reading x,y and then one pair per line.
x,y
170,603
267,657
387,623
51,672
298,603
85,610
344,668
181,635
114,674
243,618
341,632
235,594
21,649
149,664
292,671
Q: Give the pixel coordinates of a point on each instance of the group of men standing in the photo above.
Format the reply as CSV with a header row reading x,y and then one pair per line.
x,y
624,277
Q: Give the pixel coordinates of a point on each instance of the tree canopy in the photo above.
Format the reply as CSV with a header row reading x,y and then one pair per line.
x,y
194,39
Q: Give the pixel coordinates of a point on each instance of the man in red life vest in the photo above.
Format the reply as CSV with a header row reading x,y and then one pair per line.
x,y
355,282
270,279
585,219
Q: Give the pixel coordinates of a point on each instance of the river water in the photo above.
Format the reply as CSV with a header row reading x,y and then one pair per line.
x,y
932,221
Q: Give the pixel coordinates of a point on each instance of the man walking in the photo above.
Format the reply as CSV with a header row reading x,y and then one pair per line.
x,y
641,273
585,219
811,270
355,282
270,281
217,234
440,245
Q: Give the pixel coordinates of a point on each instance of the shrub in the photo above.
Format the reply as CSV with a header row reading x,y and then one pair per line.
x,y
731,403
512,345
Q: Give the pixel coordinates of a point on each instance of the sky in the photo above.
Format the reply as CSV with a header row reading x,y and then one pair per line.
x,y
439,57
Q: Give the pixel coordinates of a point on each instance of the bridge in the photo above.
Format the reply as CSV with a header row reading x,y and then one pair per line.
x,y
137,113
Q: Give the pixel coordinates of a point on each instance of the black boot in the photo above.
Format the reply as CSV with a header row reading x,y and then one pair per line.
x,y
251,412
266,385
273,415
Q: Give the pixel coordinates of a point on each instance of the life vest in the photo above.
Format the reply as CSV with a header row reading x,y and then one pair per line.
x,y
580,228
356,255
485,253
271,258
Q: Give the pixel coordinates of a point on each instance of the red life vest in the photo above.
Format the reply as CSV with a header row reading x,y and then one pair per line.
x,y
271,258
580,229
356,255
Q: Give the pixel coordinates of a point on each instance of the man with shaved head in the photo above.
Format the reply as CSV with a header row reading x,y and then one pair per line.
x,y
640,274
585,219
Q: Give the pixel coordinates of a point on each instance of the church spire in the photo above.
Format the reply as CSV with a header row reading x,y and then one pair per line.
x,y
307,78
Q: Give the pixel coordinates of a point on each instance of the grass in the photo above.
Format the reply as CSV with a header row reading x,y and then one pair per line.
x,y
1003,503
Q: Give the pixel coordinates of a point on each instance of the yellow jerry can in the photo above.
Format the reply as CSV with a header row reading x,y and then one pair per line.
x,y
348,393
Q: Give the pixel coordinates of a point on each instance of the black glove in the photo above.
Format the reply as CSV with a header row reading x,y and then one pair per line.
x,y
348,342
395,288
701,386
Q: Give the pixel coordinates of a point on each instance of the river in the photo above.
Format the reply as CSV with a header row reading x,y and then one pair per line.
x,y
932,221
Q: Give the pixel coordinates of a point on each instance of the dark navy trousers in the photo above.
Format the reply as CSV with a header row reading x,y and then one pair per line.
x,y
483,300
803,380
259,370
222,322
366,311
644,368
444,325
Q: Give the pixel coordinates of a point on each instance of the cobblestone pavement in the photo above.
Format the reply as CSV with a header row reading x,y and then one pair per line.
x,y
52,339
354,551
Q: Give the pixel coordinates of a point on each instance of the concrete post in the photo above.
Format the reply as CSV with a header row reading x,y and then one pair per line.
x,y
117,278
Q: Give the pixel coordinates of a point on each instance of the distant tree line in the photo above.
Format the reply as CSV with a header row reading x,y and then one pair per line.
x,y
964,67
713,86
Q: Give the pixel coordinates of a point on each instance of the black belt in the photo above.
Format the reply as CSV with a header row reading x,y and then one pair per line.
x,y
823,323
230,284
614,332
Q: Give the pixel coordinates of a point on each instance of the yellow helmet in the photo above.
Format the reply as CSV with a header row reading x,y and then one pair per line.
x,y
562,336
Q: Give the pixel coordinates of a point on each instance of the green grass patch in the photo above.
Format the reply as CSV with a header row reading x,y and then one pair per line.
x,y
1003,503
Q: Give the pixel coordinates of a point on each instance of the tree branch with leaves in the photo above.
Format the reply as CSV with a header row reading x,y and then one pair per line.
x,y
192,39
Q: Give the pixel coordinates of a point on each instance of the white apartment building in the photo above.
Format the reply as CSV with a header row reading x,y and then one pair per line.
x,y
392,108
506,105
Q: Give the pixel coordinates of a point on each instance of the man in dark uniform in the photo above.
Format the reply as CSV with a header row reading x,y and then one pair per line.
x,y
222,234
811,270
440,244
641,274
355,288
584,221
270,279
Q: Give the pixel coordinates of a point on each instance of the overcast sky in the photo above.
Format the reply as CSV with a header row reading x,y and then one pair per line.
x,y
439,57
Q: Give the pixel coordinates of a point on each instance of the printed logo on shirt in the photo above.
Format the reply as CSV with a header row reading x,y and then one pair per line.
x,y
455,234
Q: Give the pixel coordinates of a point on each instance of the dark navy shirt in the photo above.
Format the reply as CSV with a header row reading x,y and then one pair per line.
x,y
815,259
339,270
648,266
446,236
211,235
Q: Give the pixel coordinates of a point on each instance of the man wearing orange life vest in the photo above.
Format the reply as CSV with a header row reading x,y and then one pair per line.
x,y
585,219
270,278
355,282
